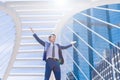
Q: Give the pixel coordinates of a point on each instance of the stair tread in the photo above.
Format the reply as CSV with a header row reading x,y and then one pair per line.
x,y
40,28
28,58
29,66
25,44
27,51
41,36
26,74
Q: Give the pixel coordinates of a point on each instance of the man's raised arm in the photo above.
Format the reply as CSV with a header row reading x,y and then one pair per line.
x,y
37,38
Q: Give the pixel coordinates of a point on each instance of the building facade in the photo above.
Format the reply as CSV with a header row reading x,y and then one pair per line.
x,y
107,71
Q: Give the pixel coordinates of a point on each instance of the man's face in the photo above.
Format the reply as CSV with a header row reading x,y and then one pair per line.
x,y
52,38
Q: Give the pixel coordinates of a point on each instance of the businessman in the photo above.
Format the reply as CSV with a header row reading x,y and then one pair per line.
x,y
52,55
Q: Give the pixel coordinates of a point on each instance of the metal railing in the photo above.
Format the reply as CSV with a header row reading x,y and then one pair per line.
x,y
66,38
10,29
6,42
85,60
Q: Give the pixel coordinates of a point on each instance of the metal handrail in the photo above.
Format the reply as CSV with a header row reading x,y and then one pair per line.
x,y
4,42
17,33
3,65
100,20
87,61
97,34
67,77
72,72
4,46
96,50
5,22
7,32
5,56
114,10
77,66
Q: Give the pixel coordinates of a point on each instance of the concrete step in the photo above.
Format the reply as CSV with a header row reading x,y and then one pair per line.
x,y
53,12
40,24
41,17
31,37
29,44
25,78
29,66
36,30
24,3
28,69
30,51
24,59
29,63
26,74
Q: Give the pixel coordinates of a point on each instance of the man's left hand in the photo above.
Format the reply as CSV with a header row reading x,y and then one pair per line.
x,y
73,42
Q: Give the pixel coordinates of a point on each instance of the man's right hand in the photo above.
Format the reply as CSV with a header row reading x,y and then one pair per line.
x,y
32,30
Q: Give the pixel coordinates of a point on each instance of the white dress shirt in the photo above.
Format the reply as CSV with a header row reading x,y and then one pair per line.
x,y
49,52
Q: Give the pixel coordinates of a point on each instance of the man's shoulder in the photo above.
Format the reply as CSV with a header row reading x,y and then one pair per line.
x,y
58,44
47,43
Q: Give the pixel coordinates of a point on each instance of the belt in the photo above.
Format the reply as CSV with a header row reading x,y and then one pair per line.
x,y
54,59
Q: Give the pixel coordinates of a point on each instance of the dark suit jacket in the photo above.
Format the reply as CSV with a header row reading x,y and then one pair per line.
x,y
46,46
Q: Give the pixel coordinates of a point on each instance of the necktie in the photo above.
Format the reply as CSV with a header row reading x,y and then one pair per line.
x,y
53,51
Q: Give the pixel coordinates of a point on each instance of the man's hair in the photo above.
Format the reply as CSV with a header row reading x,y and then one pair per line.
x,y
51,35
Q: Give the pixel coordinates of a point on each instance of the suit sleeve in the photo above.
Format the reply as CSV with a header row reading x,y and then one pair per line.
x,y
65,47
38,39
